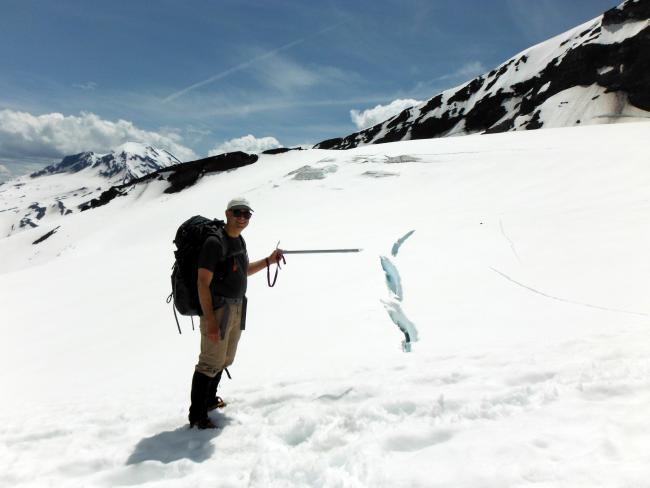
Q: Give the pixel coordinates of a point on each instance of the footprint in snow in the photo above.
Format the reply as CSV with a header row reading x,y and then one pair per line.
x,y
417,442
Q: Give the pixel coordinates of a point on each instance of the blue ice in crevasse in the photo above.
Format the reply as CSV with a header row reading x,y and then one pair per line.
x,y
393,280
400,241
400,319
393,304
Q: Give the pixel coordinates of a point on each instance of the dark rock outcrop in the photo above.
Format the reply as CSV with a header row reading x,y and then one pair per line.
x,y
26,222
186,174
280,150
46,236
40,211
69,164
628,11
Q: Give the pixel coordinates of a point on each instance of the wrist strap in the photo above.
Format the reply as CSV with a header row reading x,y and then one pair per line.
x,y
268,272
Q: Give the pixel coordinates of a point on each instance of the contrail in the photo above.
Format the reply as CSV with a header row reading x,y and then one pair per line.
x,y
248,63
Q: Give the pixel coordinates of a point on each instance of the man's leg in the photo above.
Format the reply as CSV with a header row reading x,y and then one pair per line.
x,y
210,363
235,334
231,340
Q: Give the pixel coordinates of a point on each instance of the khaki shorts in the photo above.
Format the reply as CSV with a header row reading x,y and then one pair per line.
x,y
215,357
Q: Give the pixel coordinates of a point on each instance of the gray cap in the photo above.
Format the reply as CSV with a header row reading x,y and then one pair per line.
x,y
239,202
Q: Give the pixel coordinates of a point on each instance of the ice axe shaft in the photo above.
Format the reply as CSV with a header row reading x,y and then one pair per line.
x,y
320,251
271,283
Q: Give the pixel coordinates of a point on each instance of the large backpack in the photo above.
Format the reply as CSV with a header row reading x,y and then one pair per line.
x,y
189,239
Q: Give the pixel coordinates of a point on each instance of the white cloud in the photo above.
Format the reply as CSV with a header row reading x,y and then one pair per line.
x,y
87,86
24,136
5,173
469,70
464,73
286,75
248,144
380,113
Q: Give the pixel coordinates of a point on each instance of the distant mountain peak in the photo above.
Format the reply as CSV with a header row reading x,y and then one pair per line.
x,y
132,147
122,164
592,74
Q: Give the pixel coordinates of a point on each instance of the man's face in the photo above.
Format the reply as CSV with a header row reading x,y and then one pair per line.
x,y
238,218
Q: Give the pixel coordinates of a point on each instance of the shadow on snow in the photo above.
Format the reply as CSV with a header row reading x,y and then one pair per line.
x,y
174,445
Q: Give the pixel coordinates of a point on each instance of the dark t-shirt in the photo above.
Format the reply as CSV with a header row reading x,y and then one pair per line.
x,y
227,258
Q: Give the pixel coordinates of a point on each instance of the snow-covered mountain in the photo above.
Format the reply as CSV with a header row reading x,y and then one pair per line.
x,y
60,189
596,73
123,164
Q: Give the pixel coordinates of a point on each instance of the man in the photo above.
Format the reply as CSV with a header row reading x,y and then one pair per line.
x,y
223,269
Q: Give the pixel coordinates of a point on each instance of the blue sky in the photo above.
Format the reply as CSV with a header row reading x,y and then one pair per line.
x,y
193,75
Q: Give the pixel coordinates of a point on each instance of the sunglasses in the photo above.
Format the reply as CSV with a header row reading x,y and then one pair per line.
x,y
238,212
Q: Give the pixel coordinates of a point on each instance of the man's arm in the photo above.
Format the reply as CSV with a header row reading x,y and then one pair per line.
x,y
205,298
256,266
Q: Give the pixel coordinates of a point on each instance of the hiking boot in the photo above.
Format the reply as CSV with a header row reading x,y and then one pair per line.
x,y
215,403
199,397
214,384
203,424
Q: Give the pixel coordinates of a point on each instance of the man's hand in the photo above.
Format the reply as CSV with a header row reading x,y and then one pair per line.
x,y
276,256
212,328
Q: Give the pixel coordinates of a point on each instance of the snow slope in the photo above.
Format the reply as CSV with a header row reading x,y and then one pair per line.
x,y
526,279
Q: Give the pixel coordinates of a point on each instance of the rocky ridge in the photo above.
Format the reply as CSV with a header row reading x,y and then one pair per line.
x,y
598,72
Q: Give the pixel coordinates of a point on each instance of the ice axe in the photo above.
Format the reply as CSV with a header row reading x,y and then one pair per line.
x,y
301,251
320,251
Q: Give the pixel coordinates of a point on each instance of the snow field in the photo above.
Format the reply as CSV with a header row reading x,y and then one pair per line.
x,y
527,279
570,413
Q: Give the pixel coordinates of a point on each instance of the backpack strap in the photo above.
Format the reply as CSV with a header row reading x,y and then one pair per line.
x,y
169,299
